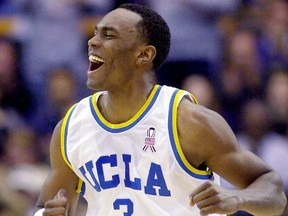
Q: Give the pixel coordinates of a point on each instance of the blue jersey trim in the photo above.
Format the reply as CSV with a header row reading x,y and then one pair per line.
x,y
128,126
83,189
173,143
66,124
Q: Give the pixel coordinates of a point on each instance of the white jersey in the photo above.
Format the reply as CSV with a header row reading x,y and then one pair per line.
x,y
136,167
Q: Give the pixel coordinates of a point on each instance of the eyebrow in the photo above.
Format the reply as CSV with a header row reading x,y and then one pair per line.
x,y
105,28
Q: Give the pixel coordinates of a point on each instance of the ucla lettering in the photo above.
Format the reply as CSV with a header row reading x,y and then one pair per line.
x,y
136,184
156,178
112,161
102,174
89,167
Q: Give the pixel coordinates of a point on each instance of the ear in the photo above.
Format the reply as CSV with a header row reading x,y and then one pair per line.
x,y
145,55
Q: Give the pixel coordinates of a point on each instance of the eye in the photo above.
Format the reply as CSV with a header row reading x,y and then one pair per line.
x,y
109,36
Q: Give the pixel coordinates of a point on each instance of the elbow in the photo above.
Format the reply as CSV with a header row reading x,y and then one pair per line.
x,y
282,199
282,203
277,193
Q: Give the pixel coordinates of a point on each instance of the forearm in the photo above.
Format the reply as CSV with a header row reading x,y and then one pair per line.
x,y
264,196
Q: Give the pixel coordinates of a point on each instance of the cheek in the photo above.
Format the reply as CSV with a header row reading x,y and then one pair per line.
x,y
123,58
120,54
126,48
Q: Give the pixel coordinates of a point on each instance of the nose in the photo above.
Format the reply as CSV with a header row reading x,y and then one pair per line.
x,y
94,41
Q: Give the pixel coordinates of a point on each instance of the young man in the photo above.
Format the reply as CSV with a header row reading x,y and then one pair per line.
x,y
137,148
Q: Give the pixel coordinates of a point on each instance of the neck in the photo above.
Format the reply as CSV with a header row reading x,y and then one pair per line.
x,y
120,105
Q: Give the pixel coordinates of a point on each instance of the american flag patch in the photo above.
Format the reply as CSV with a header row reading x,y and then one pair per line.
x,y
150,140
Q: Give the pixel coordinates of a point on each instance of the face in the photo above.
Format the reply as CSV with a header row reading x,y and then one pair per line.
x,y
113,50
7,62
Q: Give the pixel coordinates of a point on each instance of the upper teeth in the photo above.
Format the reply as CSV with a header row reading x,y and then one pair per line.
x,y
95,59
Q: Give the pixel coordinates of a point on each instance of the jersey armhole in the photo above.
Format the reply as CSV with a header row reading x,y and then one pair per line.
x,y
174,138
189,96
81,188
64,135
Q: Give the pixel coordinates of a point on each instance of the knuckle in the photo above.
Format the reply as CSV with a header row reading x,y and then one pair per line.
x,y
213,190
208,183
47,204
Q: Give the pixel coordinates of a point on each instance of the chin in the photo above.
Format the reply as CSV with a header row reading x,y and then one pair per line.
x,y
90,85
93,86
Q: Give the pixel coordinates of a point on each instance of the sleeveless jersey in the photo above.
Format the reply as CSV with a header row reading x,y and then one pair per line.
x,y
136,167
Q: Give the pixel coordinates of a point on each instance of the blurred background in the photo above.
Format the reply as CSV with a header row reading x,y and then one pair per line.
x,y
231,54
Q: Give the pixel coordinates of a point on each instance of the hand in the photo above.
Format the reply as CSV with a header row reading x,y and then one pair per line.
x,y
58,206
212,198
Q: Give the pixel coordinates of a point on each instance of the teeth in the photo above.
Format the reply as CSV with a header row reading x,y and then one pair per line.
x,y
95,59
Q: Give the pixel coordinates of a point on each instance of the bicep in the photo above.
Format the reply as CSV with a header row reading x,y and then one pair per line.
x,y
225,157
207,135
239,167
60,177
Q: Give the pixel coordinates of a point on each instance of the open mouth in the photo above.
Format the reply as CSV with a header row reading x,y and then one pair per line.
x,y
95,62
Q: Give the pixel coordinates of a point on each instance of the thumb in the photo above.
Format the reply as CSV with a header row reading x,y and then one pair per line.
x,y
61,193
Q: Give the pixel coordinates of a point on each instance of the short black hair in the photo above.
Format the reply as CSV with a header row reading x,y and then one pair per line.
x,y
154,29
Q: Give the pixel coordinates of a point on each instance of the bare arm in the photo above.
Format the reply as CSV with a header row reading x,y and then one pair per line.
x,y
206,138
60,177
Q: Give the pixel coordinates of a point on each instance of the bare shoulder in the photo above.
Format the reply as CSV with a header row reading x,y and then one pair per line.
x,y
206,138
61,176
204,129
58,165
56,158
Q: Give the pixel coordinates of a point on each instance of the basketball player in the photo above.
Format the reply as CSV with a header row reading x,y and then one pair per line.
x,y
137,148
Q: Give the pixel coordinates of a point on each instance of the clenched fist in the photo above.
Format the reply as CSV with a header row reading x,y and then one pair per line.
x,y
58,206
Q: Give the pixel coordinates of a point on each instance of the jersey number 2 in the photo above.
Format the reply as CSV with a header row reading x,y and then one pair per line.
x,y
124,202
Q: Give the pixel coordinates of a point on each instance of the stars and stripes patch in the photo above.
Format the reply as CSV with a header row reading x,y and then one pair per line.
x,y
150,140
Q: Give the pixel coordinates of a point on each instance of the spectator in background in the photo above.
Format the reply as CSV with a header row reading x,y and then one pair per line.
x,y
51,36
9,118
274,34
25,181
255,125
241,77
20,147
21,173
277,100
8,207
196,42
14,93
203,89
11,106
61,93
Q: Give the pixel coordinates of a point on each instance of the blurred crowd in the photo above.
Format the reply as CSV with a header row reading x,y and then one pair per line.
x,y
231,54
